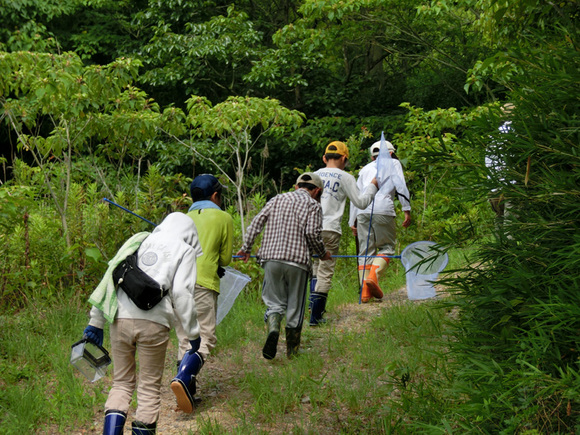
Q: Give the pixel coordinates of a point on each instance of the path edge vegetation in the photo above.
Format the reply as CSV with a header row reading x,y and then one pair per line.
x,y
513,344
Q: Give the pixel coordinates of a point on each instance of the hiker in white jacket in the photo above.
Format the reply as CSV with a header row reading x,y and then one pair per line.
x,y
338,186
168,255
382,238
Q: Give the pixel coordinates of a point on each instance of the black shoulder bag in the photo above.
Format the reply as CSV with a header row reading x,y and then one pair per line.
x,y
143,290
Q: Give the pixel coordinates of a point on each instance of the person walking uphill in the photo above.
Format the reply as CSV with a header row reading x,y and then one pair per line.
x,y
168,256
382,238
338,185
293,224
216,229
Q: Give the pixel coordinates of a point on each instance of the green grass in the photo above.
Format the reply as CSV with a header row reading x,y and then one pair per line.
x,y
361,377
38,383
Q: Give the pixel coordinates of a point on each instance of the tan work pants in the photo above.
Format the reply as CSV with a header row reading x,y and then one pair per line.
x,y
206,305
149,340
324,270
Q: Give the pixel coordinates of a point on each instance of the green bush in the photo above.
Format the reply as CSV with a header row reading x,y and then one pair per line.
x,y
40,261
517,352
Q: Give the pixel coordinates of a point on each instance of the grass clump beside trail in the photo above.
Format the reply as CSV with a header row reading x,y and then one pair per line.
x,y
39,386
357,374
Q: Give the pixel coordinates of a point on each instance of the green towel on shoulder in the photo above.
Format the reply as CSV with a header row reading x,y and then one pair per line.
x,y
105,295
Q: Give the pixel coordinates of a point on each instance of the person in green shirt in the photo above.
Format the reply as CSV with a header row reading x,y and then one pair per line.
x,y
216,230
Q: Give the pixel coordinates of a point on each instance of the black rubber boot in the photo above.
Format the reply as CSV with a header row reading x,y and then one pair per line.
x,y
271,345
318,301
292,341
140,428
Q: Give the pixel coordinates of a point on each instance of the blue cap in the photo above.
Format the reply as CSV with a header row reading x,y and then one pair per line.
x,y
203,186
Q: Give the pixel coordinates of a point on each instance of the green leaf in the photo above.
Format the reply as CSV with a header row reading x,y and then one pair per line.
x,y
94,254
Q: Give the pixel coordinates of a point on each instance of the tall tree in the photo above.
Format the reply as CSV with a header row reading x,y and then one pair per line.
x,y
60,109
201,58
366,57
237,124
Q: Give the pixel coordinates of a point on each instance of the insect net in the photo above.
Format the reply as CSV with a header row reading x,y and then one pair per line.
x,y
423,261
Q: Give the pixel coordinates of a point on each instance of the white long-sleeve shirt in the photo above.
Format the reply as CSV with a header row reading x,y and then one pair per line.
x,y
339,185
383,203
168,255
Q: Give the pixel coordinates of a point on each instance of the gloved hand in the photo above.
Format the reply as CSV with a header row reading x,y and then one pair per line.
x,y
221,271
194,345
94,334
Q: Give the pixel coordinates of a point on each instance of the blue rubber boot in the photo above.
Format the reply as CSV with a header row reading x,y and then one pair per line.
x,y
114,422
318,301
313,282
140,428
183,385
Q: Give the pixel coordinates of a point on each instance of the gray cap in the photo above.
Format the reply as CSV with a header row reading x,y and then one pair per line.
x,y
311,178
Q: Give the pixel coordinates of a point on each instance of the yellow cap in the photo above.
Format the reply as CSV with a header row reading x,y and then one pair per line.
x,y
337,147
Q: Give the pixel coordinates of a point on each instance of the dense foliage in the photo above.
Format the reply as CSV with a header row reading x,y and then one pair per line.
x,y
130,99
518,334
523,299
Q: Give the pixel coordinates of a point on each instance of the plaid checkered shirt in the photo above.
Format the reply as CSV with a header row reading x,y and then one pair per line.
x,y
293,226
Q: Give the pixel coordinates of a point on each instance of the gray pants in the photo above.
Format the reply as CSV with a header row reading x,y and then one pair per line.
x,y
383,236
284,291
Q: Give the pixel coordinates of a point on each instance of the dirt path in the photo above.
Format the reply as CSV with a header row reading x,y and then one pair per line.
x,y
217,384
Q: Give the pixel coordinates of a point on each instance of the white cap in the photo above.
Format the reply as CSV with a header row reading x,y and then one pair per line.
x,y
376,147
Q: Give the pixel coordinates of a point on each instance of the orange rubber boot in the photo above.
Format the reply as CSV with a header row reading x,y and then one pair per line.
x,y
372,281
363,272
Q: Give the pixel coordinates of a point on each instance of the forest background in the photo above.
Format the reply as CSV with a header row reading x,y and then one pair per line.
x,y
131,99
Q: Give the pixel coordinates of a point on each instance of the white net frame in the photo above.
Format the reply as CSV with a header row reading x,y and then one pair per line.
x,y
424,258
